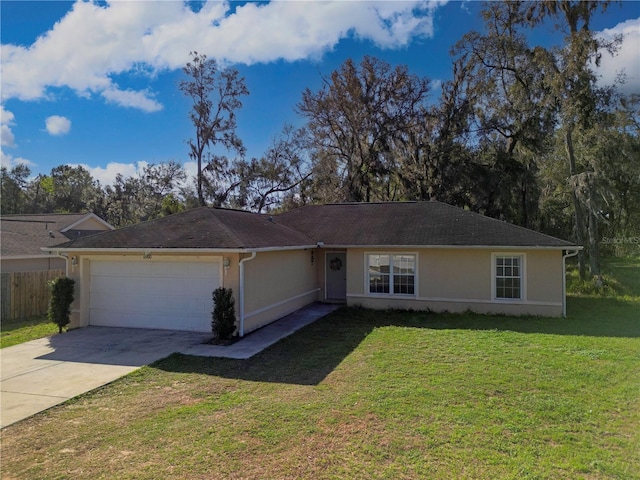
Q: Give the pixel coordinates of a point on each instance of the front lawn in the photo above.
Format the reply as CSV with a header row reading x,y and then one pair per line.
x,y
363,394
13,332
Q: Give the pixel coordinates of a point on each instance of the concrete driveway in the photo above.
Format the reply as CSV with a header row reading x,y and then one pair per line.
x,y
42,373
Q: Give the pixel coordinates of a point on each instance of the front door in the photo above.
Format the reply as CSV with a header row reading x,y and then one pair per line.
x,y
336,275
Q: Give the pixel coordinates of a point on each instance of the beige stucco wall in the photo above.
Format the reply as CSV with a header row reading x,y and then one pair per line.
x,y
278,283
11,265
544,276
457,280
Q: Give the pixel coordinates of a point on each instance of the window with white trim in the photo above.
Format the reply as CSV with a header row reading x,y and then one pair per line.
x,y
391,274
508,276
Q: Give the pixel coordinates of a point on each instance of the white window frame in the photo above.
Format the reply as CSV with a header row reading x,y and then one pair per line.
x,y
391,293
523,276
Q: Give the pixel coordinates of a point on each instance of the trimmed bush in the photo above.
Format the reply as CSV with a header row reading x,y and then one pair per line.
x,y
59,312
223,322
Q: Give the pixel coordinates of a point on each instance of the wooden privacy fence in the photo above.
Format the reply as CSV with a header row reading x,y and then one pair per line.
x,y
26,294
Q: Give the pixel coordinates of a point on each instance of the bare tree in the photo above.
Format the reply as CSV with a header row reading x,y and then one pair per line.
x,y
357,116
215,94
267,180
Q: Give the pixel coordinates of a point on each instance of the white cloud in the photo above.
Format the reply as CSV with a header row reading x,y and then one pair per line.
x,y
93,42
107,175
7,139
191,169
299,30
6,134
436,85
9,161
57,125
627,59
131,98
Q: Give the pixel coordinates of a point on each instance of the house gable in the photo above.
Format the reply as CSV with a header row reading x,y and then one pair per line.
x,y
89,222
23,236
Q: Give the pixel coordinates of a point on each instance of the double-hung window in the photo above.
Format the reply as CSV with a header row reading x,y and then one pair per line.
x,y
509,277
392,274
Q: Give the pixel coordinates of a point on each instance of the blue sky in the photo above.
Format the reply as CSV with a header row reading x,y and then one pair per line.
x,y
96,83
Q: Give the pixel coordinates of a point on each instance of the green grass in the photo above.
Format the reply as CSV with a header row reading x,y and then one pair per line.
x,y
619,275
13,332
364,394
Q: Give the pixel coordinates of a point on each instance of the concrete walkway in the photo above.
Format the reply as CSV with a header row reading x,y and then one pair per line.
x,y
257,341
39,374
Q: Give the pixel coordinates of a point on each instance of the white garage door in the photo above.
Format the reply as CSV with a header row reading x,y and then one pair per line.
x,y
153,294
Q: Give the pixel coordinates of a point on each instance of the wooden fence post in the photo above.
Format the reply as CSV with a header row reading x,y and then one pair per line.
x,y
5,298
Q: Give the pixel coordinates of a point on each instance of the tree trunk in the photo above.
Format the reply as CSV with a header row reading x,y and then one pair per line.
x,y
525,210
199,182
594,253
579,215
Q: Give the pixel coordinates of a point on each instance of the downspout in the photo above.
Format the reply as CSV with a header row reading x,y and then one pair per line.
x,y
253,255
66,262
564,279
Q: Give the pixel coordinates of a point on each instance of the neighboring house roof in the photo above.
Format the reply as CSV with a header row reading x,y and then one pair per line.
x,y
214,228
23,236
410,224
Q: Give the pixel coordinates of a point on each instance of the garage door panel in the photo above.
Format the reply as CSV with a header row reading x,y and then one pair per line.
x,y
197,270
153,294
151,303
163,284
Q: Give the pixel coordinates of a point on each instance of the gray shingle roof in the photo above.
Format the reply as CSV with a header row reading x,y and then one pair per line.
x,y
199,228
409,224
352,224
23,235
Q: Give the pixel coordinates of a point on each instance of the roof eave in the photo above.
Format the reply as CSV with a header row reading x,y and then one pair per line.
x,y
26,257
306,247
177,250
451,247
